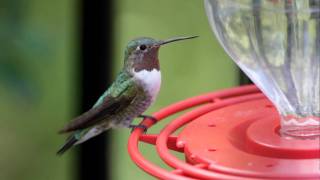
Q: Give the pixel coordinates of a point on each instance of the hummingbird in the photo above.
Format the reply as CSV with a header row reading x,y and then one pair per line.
x,y
129,96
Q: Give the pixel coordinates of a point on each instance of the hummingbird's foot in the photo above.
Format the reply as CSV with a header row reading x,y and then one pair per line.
x,y
153,119
143,127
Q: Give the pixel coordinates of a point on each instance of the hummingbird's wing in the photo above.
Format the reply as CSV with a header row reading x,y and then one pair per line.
x,y
116,98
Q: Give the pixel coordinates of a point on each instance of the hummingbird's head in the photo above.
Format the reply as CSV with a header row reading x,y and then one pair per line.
x,y
142,53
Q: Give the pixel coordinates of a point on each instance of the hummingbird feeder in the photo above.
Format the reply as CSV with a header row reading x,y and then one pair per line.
x,y
245,133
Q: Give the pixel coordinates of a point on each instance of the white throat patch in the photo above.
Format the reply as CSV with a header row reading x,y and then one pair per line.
x,y
150,80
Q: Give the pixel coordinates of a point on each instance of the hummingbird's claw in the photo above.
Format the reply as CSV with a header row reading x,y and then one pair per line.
x,y
153,119
143,127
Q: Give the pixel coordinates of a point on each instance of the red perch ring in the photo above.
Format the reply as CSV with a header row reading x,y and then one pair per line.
x,y
230,134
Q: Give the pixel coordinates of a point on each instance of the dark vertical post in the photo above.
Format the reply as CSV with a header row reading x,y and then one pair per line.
x,y
96,54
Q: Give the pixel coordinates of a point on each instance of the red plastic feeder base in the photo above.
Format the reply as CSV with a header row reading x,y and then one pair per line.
x,y
231,134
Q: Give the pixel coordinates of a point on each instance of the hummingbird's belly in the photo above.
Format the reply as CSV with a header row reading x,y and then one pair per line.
x,y
139,106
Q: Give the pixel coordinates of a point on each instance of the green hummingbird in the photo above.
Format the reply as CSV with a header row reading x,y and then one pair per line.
x,y
129,96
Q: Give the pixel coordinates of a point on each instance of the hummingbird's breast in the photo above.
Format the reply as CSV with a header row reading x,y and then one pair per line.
x,y
150,82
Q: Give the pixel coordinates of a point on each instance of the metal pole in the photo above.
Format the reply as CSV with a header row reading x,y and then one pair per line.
x,y
96,55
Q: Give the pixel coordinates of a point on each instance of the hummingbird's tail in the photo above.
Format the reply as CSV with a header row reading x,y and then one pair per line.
x,y
81,136
68,144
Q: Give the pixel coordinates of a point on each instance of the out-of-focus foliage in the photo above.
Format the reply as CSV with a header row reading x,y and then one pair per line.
x,y
36,80
19,43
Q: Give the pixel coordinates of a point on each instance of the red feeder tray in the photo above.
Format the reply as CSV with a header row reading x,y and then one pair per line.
x,y
231,134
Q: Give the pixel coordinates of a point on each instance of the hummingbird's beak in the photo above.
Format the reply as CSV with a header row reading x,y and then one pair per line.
x,y
175,39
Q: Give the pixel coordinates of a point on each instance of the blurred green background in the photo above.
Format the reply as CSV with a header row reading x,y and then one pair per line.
x,y
39,56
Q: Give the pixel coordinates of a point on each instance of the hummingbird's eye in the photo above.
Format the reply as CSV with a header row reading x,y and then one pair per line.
x,y
142,47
